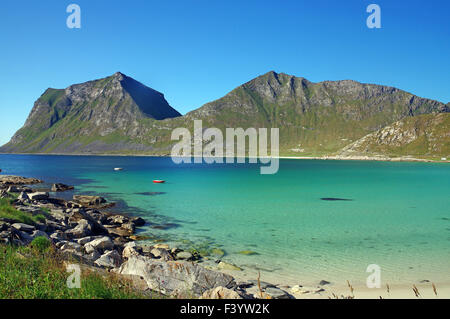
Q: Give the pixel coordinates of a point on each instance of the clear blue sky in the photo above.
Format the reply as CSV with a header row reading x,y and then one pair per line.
x,y
195,51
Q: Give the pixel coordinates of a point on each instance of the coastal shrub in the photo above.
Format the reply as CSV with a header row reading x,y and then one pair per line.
x,y
41,243
27,272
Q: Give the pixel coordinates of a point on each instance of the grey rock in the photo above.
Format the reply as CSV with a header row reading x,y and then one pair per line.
x,y
89,200
117,219
109,259
184,255
75,215
129,226
129,251
33,210
38,196
58,235
13,189
83,229
85,240
23,196
58,187
161,253
60,243
138,221
94,255
25,237
130,244
175,277
102,243
72,246
58,214
88,248
39,233
24,227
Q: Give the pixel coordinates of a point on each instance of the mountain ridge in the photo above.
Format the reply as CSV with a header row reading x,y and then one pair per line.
x,y
315,118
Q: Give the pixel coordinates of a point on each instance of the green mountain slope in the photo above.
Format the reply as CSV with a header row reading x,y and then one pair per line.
x,y
314,118
91,117
114,115
425,136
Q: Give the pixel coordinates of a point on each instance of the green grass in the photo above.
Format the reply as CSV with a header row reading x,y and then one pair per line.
x,y
7,211
36,272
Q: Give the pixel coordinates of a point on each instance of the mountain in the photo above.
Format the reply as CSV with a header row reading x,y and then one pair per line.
x,y
120,115
314,118
99,111
426,135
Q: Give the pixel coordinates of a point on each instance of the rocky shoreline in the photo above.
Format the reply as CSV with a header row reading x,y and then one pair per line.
x,y
83,231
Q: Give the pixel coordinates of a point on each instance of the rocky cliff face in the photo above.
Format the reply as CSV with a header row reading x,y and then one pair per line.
x,y
120,115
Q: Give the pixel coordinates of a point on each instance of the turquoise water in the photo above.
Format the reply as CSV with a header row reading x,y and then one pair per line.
x,y
398,216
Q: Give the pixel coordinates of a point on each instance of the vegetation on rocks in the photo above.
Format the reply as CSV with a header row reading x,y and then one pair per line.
x,y
38,271
41,243
8,212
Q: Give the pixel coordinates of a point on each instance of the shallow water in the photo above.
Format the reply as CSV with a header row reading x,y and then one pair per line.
x,y
395,215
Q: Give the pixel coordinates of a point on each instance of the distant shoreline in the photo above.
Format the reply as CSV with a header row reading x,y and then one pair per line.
x,y
325,157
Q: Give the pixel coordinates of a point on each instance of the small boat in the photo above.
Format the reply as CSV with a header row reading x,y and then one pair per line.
x,y
158,181
118,168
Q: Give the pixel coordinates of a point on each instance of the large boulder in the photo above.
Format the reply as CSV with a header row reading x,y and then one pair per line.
x,y
38,196
129,251
58,187
138,221
175,277
109,259
118,231
23,196
117,219
76,215
71,246
13,189
87,200
184,255
18,180
39,233
24,227
161,253
83,229
102,243
85,240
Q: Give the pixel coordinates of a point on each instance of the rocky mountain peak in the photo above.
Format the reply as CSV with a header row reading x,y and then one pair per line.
x,y
120,114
